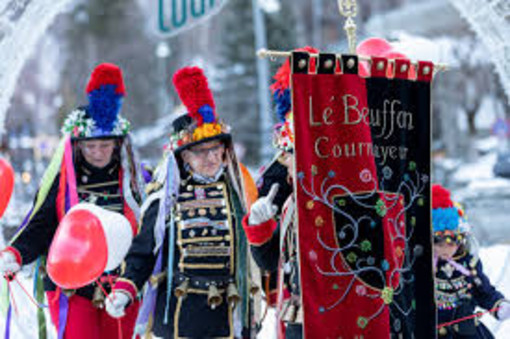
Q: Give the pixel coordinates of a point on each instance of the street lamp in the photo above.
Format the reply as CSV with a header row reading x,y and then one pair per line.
x,y
163,51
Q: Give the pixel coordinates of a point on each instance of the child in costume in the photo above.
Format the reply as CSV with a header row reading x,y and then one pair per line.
x,y
461,284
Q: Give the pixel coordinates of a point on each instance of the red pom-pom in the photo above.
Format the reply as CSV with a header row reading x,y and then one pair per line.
x,y
106,74
282,76
191,85
441,197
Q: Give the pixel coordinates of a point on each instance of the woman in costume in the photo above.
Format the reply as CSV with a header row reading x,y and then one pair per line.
x,y
93,163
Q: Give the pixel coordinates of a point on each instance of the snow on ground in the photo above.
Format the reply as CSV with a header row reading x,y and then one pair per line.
x,y
24,321
496,261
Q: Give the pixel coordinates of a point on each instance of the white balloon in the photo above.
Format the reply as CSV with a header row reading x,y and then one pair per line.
x,y
118,233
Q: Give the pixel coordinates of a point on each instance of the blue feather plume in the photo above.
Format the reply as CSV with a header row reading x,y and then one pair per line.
x,y
282,101
104,107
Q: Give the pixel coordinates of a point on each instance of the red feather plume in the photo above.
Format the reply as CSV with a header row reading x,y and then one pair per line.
x,y
106,74
441,197
191,85
282,76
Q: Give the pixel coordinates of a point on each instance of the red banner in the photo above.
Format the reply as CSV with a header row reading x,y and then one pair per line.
x,y
353,240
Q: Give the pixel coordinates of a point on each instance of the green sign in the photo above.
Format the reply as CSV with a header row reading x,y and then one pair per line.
x,y
174,16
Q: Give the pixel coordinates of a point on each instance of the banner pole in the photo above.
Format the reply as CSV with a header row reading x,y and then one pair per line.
x,y
272,54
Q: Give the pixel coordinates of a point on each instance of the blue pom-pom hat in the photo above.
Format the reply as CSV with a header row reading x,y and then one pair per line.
x,y
448,221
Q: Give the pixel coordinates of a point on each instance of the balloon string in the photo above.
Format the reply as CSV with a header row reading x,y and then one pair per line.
x,y
9,276
102,289
119,323
479,314
27,293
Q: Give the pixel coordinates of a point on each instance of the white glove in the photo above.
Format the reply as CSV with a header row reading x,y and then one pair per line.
x,y
263,209
115,304
504,310
8,263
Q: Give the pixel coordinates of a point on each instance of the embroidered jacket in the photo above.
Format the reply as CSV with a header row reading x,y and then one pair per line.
x,y
98,186
461,286
205,294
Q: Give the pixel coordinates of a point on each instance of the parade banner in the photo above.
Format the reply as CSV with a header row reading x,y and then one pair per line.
x,y
175,16
363,199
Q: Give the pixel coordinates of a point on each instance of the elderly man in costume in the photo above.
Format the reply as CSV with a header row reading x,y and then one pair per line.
x,y
94,163
191,248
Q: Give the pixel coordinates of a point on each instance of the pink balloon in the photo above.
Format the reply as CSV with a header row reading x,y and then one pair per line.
x,y
374,47
78,253
371,47
6,184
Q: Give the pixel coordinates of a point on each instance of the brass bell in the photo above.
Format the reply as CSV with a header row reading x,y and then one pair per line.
x,y
98,298
156,279
182,290
254,289
214,298
233,296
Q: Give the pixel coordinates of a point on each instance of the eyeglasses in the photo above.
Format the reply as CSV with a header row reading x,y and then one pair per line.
x,y
204,152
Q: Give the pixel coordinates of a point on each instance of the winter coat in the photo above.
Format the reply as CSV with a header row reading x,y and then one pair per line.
x,y
458,292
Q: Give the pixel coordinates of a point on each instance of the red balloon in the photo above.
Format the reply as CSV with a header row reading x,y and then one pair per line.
x,y
78,253
6,184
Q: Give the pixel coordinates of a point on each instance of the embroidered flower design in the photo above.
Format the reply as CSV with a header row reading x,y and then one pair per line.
x,y
387,172
366,246
362,322
361,290
365,175
352,257
387,295
380,208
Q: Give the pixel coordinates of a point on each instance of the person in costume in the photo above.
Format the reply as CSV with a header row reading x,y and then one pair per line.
x,y
461,284
270,225
191,248
93,163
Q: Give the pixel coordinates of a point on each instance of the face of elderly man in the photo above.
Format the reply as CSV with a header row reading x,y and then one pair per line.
x,y
205,159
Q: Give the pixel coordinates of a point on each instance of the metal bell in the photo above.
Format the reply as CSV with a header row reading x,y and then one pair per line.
x,y
156,279
182,290
214,298
233,296
98,298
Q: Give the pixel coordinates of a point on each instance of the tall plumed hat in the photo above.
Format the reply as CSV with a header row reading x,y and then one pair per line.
x,y
101,117
201,122
283,137
448,220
